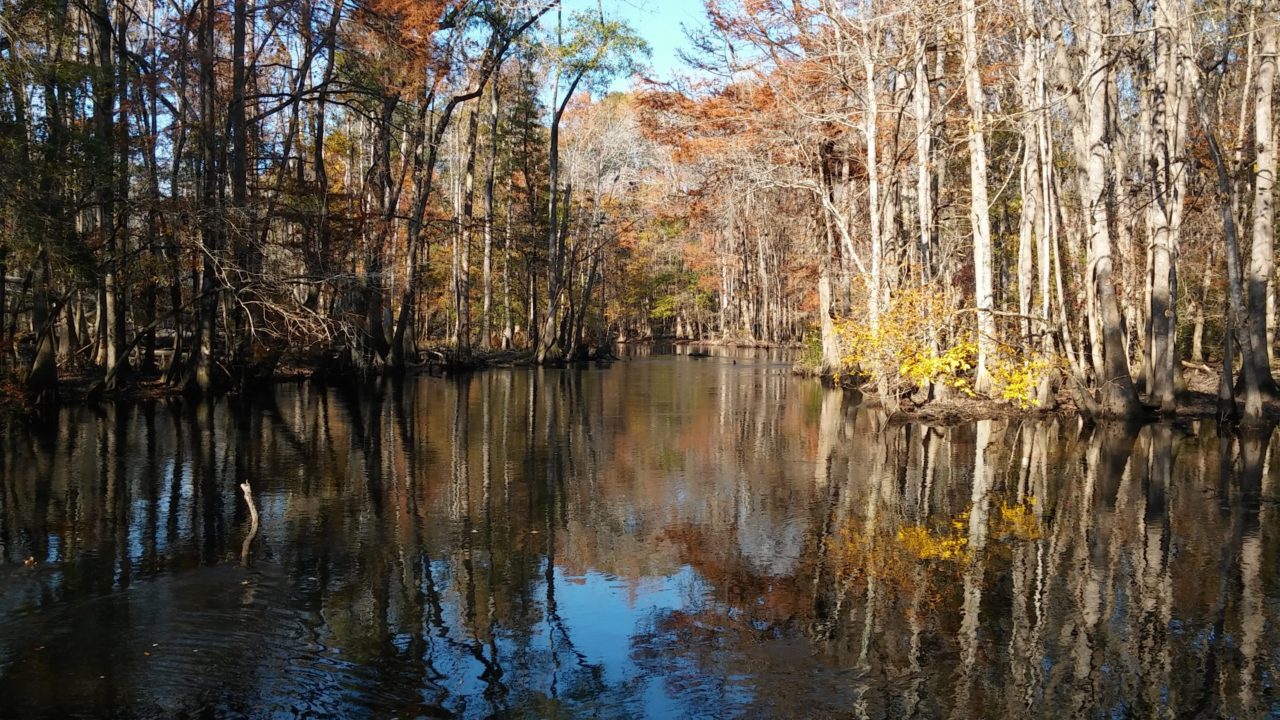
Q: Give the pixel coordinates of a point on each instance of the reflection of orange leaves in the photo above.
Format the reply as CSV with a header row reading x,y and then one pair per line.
x,y
759,595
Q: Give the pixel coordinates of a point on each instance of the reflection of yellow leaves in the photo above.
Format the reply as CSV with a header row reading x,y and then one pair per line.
x,y
928,556
925,545
1018,521
904,557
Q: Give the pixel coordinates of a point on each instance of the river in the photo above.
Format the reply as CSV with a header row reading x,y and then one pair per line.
x,y
666,537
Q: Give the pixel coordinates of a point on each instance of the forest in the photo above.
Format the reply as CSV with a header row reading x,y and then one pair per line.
x,y
1033,202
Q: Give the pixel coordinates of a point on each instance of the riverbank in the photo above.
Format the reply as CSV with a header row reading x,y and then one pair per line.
x,y
86,385
1197,401
739,344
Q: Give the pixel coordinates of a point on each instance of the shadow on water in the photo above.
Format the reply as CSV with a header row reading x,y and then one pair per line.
x,y
668,537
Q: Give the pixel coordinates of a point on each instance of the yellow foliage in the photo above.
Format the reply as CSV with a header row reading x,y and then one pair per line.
x,y
920,341
949,368
908,346
1016,379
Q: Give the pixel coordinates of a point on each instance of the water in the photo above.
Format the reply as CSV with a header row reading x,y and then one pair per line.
x,y
669,537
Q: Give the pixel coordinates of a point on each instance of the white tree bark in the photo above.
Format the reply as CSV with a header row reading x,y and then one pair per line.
x,y
924,136
871,125
1117,395
1261,260
1170,106
978,205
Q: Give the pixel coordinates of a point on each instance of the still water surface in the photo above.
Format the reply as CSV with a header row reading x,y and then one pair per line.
x,y
669,537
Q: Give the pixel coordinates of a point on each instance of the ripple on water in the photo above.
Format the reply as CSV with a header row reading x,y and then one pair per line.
x,y
219,637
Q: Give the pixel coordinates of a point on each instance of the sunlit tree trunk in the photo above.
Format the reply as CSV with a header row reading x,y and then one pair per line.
x,y
462,278
1235,328
826,325
1117,396
1170,97
871,135
1029,175
979,215
1262,255
508,327
923,111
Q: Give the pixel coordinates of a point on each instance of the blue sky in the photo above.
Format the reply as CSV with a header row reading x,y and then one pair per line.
x,y
661,22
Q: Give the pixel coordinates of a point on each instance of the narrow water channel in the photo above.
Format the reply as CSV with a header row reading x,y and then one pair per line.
x,y
668,537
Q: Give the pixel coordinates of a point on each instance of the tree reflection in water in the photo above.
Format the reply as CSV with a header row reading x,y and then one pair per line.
x,y
666,537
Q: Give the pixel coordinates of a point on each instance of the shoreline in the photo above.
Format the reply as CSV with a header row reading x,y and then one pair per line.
x,y
84,389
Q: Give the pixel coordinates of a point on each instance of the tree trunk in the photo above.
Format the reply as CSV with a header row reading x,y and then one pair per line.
x,y
1262,255
924,176
1117,397
462,280
870,129
1029,175
979,215
42,378
1170,107
4,299
508,328
1235,324
239,141
372,285
104,102
204,378
1048,219
486,306
152,127
830,360
548,336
